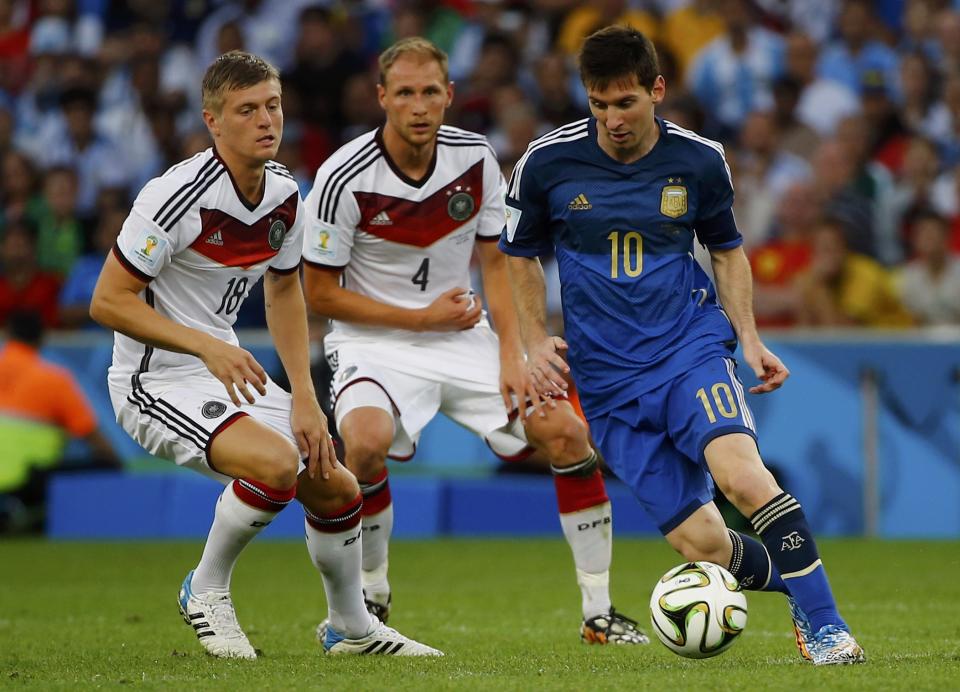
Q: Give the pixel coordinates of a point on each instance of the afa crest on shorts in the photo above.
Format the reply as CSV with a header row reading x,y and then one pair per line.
x,y
673,199
276,234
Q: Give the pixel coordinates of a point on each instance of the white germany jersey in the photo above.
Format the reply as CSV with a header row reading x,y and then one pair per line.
x,y
400,241
201,247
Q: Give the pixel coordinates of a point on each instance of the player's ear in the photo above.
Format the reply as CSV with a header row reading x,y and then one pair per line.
x,y
381,93
659,89
449,94
212,122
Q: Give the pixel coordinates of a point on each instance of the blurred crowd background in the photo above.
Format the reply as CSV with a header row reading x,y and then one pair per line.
x,y
840,119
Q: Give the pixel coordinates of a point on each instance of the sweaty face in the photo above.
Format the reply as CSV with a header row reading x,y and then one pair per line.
x,y
251,122
414,98
624,113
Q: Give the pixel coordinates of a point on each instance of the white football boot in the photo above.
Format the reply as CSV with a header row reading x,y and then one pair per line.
x,y
382,640
212,617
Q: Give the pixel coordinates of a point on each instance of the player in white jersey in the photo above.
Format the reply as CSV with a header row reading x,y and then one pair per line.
x,y
397,214
195,242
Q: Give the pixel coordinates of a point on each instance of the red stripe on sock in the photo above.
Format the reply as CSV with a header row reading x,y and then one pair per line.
x,y
378,500
578,493
263,496
343,519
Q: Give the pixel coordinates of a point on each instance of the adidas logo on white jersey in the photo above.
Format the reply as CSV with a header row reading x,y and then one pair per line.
x,y
580,203
215,239
381,219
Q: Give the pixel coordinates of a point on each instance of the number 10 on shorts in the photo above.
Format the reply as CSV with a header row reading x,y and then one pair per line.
x,y
723,400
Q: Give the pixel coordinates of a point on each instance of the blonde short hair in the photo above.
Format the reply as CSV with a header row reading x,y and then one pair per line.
x,y
417,46
231,71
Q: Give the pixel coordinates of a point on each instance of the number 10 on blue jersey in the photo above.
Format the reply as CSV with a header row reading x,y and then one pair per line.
x,y
632,253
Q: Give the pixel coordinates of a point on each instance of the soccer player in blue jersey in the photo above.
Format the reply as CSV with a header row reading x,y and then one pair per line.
x,y
621,197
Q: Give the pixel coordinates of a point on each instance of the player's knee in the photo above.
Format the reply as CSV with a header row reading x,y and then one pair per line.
x,y
750,489
366,455
276,467
704,539
566,442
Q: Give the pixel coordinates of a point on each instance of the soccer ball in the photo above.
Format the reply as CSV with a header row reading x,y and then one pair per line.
x,y
698,610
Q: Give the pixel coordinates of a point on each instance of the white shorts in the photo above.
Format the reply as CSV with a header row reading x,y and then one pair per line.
x,y
457,374
178,420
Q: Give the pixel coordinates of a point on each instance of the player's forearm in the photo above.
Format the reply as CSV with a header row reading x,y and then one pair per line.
x,y
327,298
127,313
529,298
286,314
496,290
731,270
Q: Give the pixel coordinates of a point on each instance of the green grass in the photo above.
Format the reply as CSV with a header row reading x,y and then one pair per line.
x,y
82,615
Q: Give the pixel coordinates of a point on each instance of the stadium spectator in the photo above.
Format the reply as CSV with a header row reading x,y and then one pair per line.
x,y
41,405
14,42
60,234
776,263
18,185
689,28
733,75
922,112
875,183
585,18
22,285
77,145
795,137
930,283
889,134
554,98
834,172
323,64
766,171
844,288
821,102
914,186
857,51
77,291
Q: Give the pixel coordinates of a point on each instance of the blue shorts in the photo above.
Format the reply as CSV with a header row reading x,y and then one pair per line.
x,y
655,443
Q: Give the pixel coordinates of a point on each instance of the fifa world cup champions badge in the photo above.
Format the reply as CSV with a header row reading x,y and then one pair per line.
x,y
673,199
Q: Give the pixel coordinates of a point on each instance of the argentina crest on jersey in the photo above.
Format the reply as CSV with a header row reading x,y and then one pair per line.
x,y
673,198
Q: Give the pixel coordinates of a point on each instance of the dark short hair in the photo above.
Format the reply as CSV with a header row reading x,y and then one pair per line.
x,y
927,214
616,52
232,71
26,327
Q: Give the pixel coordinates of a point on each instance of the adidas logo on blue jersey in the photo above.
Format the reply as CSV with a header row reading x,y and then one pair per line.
x,y
580,203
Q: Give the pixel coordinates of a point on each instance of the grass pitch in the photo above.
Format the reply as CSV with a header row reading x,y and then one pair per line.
x,y
103,615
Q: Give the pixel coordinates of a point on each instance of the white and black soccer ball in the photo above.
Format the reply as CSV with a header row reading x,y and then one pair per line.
x,y
698,610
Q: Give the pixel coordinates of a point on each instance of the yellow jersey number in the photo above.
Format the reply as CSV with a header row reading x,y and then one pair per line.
x,y
629,246
726,405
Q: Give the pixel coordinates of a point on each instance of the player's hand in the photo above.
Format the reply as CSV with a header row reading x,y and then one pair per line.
x,y
516,385
454,311
769,369
309,426
235,368
548,370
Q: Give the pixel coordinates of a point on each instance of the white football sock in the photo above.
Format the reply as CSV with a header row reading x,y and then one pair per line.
x,y
235,523
589,534
376,541
338,559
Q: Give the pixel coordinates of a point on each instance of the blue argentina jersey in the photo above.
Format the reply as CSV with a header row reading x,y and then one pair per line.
x,y
637,308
